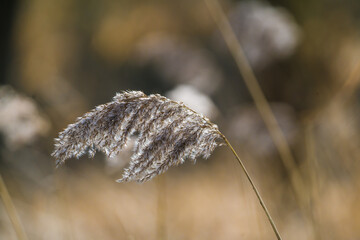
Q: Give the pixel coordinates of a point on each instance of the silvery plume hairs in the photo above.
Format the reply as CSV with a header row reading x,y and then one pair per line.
x,y
167,133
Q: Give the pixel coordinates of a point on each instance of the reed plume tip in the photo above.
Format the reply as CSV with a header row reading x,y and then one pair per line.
x,y
167,133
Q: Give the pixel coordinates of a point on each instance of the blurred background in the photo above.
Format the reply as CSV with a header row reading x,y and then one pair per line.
x,y
60,58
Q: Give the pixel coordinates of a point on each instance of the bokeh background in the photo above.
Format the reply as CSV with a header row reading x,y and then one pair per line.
x,y
61,58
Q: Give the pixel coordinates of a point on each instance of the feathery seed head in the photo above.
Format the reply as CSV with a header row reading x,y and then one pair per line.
x,y
167,133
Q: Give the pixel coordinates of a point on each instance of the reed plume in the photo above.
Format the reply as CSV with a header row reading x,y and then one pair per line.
x,y
167,133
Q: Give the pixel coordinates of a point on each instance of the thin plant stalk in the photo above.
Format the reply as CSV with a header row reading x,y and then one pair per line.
x,y
262,203
259,98
263,107
161,207
312,167
11,210
254,188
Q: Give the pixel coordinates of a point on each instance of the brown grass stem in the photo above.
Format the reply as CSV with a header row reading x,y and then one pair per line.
x,y
250,180
161,207
254,188
259,98
11,210
312,167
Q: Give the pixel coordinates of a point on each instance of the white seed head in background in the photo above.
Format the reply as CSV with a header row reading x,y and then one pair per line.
x,y
194,99
265,32
167,133
21,121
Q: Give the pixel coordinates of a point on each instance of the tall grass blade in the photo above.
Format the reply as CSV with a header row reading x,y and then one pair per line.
x,y
11,211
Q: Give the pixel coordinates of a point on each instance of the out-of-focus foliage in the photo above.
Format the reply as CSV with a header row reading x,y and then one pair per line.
x,y
63,57
20,121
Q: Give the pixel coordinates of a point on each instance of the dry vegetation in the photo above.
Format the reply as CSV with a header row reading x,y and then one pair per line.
x,y
69,56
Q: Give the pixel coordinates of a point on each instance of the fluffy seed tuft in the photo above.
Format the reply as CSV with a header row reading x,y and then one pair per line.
x,y
167,133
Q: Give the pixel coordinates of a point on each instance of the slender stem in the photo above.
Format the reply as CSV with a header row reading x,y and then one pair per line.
x,y
311,170
161,207
257,94
254,188
250,180
11,211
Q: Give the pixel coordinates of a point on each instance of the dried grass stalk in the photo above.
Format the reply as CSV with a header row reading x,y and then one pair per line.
x,y
167,133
